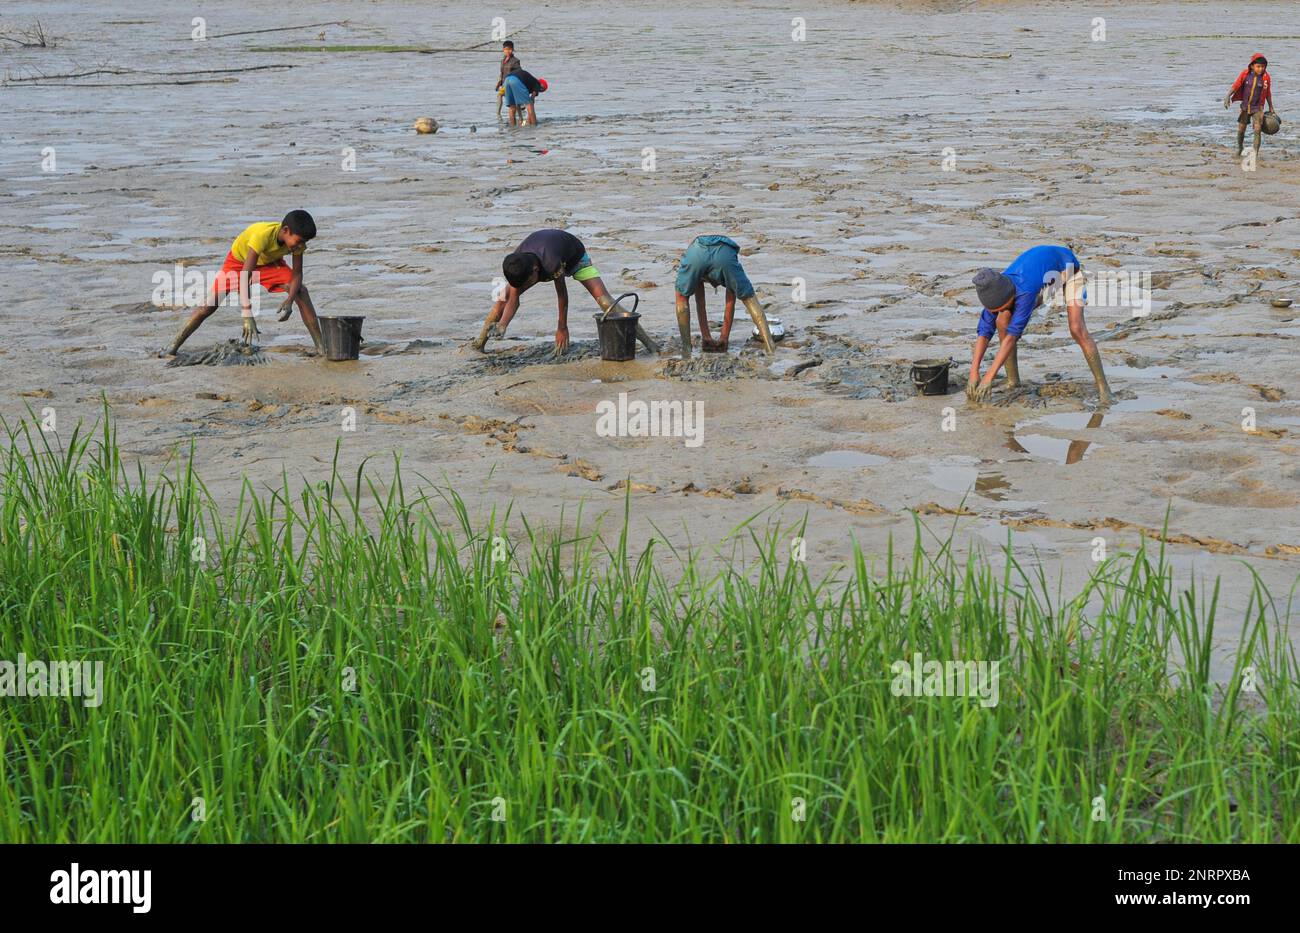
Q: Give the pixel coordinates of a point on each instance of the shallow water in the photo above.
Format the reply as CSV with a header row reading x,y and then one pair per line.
x,y
1055,449
1071,420
846,460
962,478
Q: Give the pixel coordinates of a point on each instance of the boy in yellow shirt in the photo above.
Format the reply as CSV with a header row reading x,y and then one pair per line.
x,y
257,257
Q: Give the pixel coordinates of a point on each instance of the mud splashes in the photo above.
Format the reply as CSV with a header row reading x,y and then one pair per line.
x,y
228,353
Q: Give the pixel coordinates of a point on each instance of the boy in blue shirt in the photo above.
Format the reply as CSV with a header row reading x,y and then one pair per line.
x,y
1009,300
715,260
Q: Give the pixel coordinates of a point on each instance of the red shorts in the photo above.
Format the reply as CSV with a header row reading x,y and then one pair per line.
x,y
274,276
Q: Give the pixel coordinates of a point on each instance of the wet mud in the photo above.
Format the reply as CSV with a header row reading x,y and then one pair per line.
x,y
861,211
227,353
715,367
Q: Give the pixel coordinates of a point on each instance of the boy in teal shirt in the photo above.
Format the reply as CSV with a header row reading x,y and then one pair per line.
x,y
715,260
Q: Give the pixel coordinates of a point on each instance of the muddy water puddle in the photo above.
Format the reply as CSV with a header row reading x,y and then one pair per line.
x,y
846,460
1145,403
963,477
1071,420
1062,451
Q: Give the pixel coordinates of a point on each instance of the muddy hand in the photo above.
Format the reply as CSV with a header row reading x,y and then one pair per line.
x,y
286,310
760,321
250,332
561,341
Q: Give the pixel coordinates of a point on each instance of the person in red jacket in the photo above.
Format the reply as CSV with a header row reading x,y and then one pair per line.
x,y
1254,89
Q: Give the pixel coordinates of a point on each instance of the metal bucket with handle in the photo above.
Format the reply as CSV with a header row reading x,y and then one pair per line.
x,y
618,334
930,377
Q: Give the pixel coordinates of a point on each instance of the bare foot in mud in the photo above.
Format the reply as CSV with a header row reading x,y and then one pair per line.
x,y
489,332
709,345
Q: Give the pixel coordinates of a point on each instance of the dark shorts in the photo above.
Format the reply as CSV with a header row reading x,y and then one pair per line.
x,y
1256,120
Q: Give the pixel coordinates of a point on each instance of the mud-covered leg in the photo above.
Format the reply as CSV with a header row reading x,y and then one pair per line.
x,y
1079,331
1093,357
489,326
760,321
646,339
684,325
197,318
1013,368
307,311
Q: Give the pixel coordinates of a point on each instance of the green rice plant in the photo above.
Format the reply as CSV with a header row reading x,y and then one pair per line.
x,y
354,660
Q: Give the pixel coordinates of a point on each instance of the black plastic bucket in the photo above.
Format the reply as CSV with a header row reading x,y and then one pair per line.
x,y
931,376
617,332
342,337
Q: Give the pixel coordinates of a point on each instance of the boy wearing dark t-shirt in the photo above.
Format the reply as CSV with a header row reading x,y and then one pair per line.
x,y
548,255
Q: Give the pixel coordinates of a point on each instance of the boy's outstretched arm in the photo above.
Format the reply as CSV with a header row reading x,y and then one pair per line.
x,y
562,310
728,315
701,314
291,294
977,358
499,317
1005,347
245,295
